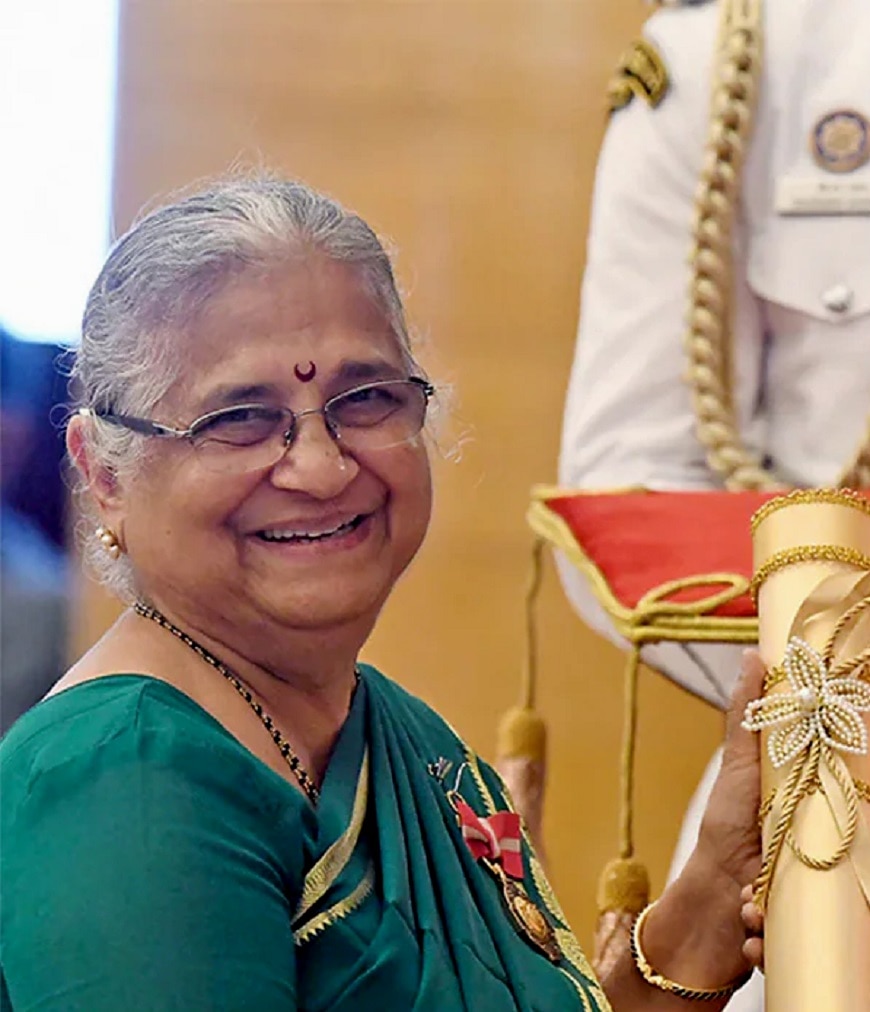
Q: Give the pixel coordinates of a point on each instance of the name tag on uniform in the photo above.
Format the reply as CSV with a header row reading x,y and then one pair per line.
x,y
796,196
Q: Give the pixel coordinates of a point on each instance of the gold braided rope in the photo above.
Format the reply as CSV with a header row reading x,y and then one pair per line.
x,y
708,344
626,759
855,666
708,338
807,553
804,778
777,675
807,496
862,789
774,676
799,785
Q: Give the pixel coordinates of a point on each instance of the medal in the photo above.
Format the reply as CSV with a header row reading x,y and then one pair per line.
x,y
526,915
496,842
840,141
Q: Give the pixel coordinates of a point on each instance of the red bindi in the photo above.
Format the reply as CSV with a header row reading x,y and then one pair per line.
x,y
305,375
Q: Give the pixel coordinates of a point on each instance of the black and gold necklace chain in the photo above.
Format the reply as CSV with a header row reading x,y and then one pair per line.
x,y
304,778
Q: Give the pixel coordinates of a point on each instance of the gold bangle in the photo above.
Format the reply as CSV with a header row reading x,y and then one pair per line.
x,y
671,987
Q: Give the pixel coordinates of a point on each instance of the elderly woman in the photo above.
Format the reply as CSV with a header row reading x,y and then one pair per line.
x,y
218,807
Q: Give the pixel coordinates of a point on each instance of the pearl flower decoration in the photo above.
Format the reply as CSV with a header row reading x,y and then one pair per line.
x,y
816,707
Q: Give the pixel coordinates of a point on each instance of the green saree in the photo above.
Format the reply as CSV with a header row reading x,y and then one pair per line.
x,y
150,862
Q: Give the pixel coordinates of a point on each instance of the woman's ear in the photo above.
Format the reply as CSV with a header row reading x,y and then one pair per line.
x,y
101,480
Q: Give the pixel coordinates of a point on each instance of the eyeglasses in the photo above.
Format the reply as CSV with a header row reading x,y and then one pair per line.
x,y
246,437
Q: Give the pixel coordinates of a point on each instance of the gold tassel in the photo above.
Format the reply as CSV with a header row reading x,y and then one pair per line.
x,y
522,734
623,889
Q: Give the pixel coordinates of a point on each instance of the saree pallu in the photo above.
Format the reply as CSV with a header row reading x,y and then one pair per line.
x,y
150,861
395,912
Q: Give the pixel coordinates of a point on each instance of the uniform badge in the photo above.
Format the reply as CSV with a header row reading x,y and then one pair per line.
x,y
640,71
840,141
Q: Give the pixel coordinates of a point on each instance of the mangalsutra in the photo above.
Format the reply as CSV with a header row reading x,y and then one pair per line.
x,y
303,777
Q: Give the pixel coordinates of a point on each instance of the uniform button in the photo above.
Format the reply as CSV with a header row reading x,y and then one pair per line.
x,y
838,298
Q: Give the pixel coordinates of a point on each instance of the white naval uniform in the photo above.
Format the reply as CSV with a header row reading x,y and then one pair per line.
x,y
801,320
802,282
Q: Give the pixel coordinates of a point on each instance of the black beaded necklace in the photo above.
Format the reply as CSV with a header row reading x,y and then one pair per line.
x,y
306,781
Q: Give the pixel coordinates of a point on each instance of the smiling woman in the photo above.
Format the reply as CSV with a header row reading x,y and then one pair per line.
x,y
218,807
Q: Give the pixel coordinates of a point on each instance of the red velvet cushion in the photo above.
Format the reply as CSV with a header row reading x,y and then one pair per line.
x,y
639,540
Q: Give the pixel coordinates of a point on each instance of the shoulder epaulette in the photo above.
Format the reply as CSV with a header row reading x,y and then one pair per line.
x,y
641,71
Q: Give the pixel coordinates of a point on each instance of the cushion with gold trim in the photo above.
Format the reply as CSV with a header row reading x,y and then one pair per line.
x,y
633,544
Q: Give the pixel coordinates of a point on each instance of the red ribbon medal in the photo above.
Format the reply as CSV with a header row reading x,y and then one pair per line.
x,y
495,837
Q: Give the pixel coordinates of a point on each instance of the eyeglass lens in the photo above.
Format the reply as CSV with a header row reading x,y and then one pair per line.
x,y
250,436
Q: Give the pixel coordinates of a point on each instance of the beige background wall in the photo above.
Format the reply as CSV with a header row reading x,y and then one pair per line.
x,y
467,131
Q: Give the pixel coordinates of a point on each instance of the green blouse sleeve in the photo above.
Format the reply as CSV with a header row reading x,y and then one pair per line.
x,y
153,869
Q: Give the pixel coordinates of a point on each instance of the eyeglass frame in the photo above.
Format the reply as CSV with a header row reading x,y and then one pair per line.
x,y
148,427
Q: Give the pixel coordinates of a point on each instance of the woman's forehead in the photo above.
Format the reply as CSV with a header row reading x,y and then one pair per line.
x,y
209,396
290,299
258,327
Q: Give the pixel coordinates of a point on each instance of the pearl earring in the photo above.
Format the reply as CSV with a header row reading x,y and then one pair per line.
x,y
110,542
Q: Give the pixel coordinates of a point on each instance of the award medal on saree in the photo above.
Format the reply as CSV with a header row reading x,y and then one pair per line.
x,y
527,916
496,841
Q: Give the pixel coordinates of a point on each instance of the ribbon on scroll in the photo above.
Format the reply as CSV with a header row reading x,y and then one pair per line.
x,y
812,555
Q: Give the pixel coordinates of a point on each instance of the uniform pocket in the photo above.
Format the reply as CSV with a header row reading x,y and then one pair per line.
x,y
817,267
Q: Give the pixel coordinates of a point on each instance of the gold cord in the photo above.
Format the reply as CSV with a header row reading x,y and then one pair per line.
x,y
854,666
629,742
708,344
805,778
810,496
530,672
655,618
802,781
862,789
774,676
807,553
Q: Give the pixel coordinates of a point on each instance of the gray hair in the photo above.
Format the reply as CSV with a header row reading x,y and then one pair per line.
x,y
160,274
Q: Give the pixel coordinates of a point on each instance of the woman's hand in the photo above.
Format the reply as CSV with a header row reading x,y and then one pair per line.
x,y
715,887
704,932
753,922
730,838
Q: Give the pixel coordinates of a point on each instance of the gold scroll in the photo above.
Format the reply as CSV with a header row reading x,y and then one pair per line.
x,y
812,566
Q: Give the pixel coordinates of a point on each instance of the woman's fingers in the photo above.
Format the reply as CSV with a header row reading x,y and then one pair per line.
x,y
749,686
753,952
753,920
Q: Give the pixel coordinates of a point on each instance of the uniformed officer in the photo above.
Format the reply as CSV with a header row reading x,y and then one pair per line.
x,y
724,335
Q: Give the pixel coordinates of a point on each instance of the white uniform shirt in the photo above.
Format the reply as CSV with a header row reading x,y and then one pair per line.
x,y
801,321
802,300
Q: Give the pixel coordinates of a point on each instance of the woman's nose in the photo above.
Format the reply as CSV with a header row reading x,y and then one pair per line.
x,y
313,460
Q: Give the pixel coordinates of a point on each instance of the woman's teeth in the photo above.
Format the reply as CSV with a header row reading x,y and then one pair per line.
x,y
306,536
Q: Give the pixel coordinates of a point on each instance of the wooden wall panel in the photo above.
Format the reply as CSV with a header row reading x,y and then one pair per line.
x,y
467,131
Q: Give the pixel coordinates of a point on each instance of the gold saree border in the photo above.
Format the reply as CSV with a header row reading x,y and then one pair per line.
x,y
339,910
327,869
